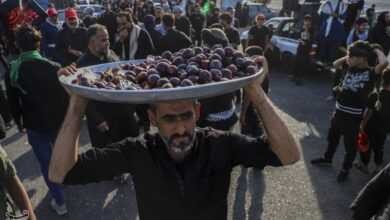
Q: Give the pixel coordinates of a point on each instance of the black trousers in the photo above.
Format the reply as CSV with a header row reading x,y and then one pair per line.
x,y
377,134
4,107
252,126
302,60
348,127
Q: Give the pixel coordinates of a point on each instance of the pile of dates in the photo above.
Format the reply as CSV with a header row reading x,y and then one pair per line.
x,y
188,67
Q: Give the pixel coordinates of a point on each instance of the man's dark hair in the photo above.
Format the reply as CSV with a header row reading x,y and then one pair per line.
x,y
226,17
27,37
93,30
254,50
217,25
361,49
168,20
125,14
361,20
386,76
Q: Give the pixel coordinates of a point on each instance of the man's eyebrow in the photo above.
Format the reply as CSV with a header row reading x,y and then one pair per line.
x,y
168,115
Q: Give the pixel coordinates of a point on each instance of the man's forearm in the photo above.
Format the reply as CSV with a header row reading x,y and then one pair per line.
x,y
338,64
64,154
280,138
19,195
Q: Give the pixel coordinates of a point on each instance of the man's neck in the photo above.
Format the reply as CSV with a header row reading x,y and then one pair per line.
x,y
259,26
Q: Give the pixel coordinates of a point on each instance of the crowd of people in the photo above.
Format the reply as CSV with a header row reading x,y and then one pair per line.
x,y
179,156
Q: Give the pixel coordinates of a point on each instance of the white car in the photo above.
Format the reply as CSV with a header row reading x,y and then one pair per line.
x,y
284,41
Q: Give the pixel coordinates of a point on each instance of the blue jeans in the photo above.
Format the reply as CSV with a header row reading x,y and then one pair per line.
x,y
42,147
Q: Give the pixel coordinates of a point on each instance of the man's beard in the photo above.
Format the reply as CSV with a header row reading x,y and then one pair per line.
x,y
72,24
103,52
182,147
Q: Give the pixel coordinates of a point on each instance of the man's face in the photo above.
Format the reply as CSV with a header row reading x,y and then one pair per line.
x,y
260,21
197,10
101,43
176,123
230,11
72,23
362,27
177,14
307,23
157,12
106,6
354,61
123,23
53,18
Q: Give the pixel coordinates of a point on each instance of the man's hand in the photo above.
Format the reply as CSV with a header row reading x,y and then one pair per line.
x,y
334,15
123,34
103,127
66,71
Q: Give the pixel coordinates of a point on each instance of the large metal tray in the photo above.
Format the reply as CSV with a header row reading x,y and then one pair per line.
x,y
152,95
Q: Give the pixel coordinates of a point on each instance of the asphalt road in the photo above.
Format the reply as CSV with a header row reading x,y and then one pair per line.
x,y
300,191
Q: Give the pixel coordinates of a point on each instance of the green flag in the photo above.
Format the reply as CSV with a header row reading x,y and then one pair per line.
x,y
205,10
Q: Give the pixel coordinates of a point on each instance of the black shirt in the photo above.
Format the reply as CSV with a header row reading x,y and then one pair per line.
x,y
356,85
173,41
183,24
258,36
381,116
233,35
197,22
119,117
197,188
67,39
42,108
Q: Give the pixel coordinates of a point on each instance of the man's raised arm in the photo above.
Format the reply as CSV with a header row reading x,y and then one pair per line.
x,y
64,155
282,142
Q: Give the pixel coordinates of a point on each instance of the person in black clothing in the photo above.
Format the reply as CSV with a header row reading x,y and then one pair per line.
x,y
354,88
132,41
38,102
238,13
182,23
197,24
157,15
108,19
213,17
147,9
181,172
380,34
232,33
250,122
89,18
173,40
244,15
107,122
258,34
306,38
217,112
71,41
150,27
373,202
354,10
235,22
5,112
376,123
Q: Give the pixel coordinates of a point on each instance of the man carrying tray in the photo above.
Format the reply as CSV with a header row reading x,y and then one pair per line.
x,y
181,172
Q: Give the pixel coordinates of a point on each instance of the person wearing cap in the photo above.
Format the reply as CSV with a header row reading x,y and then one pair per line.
x,y
71,41
231,32
198,22
213,17
132,42
173,40
49,31
89,18
182,23
108,19
181,171
258,34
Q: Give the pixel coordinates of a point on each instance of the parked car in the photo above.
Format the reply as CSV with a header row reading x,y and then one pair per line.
x,y
98,9
284,41
257,8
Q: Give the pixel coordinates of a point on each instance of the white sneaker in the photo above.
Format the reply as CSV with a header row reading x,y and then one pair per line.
x,y
60,209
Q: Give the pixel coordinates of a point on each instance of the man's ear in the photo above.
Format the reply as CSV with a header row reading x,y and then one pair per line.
x,y
197,111
152,118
